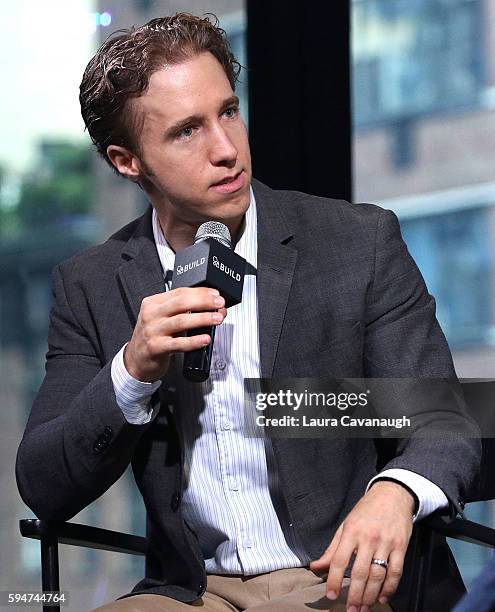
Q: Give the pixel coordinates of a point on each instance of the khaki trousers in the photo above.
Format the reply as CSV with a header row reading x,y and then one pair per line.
x,y
288,590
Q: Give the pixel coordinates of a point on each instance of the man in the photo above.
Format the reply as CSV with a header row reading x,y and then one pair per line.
x,y
266,520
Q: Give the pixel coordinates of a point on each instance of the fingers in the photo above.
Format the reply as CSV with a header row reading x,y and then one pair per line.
x,y
183,322
182,344
394,573
339,562
183,300
376,576
370,582
379,583
162,321
378,527
165,335
364,576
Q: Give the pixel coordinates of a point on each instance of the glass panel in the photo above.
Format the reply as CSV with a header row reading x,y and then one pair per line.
x,y
57,198
453,252
424,128
409,54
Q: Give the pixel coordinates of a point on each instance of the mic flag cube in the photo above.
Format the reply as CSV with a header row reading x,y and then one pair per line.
x,y
209,263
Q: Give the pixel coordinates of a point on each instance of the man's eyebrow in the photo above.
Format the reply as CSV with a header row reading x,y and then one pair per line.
x,y
179,125
232,101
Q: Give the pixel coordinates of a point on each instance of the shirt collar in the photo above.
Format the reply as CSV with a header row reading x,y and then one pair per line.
x,y
247,245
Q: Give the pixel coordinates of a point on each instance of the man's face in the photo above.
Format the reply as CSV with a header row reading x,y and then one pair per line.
x,y
194,153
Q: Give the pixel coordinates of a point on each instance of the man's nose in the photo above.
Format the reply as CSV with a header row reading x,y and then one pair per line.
x,y
222,150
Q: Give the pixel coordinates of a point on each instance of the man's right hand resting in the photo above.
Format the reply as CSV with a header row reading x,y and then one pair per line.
x,y
162,321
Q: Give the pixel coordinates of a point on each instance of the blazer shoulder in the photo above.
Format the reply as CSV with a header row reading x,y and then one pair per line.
x,y
302,208
305,210
100,258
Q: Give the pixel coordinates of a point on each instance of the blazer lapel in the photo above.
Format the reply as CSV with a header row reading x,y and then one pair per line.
x,y
141,273
276,264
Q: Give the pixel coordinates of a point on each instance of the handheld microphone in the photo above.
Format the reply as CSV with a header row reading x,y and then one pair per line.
x,y
209,262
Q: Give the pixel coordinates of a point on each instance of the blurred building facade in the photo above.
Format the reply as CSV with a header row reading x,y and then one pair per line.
x,y
424,115
424,147
38,229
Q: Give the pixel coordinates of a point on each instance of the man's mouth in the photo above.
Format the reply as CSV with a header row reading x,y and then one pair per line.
x,y
227,179
230,183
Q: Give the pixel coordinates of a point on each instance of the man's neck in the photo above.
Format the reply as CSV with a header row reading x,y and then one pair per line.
x,y
180,235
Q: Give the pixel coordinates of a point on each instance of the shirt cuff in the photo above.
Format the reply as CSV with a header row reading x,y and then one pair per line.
x,y
133,396
430,496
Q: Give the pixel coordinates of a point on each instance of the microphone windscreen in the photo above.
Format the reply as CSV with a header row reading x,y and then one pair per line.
x,y
216,230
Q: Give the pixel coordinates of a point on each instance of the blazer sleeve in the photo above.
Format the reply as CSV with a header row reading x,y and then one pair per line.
x,y
403,340
77,442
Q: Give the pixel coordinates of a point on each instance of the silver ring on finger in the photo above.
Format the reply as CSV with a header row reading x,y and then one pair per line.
x,y
380,562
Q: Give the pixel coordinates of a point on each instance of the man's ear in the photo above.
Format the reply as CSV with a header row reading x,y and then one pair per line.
x,y
125,162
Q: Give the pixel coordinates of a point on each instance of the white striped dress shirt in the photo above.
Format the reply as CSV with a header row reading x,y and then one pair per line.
x,y
232,497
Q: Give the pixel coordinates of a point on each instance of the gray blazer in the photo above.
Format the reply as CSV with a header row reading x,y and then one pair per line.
x,y
338,295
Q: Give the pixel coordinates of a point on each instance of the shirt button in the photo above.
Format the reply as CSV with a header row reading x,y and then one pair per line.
x,y
221,365
235,485
247,543
227,425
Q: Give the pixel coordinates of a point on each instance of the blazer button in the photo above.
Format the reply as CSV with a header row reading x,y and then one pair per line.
x,y
108,432
461,503
201,586
100,444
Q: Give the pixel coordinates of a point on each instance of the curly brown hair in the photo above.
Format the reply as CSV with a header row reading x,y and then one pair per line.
x,y
123,65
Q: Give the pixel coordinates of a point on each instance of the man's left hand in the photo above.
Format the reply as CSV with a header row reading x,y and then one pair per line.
x,y
378,527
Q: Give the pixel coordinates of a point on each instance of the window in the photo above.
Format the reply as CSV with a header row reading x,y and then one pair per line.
x,y
453,252
414,56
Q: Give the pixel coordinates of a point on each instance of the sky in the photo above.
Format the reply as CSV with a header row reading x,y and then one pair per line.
x,y
44,48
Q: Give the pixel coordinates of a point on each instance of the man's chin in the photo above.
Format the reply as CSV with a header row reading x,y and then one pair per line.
x,y
231,206
230,214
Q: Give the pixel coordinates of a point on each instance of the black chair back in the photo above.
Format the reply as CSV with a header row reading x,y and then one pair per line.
x,y
480,398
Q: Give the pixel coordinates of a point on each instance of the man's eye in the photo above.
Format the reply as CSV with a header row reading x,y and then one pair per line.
x,y
186,132
231,112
